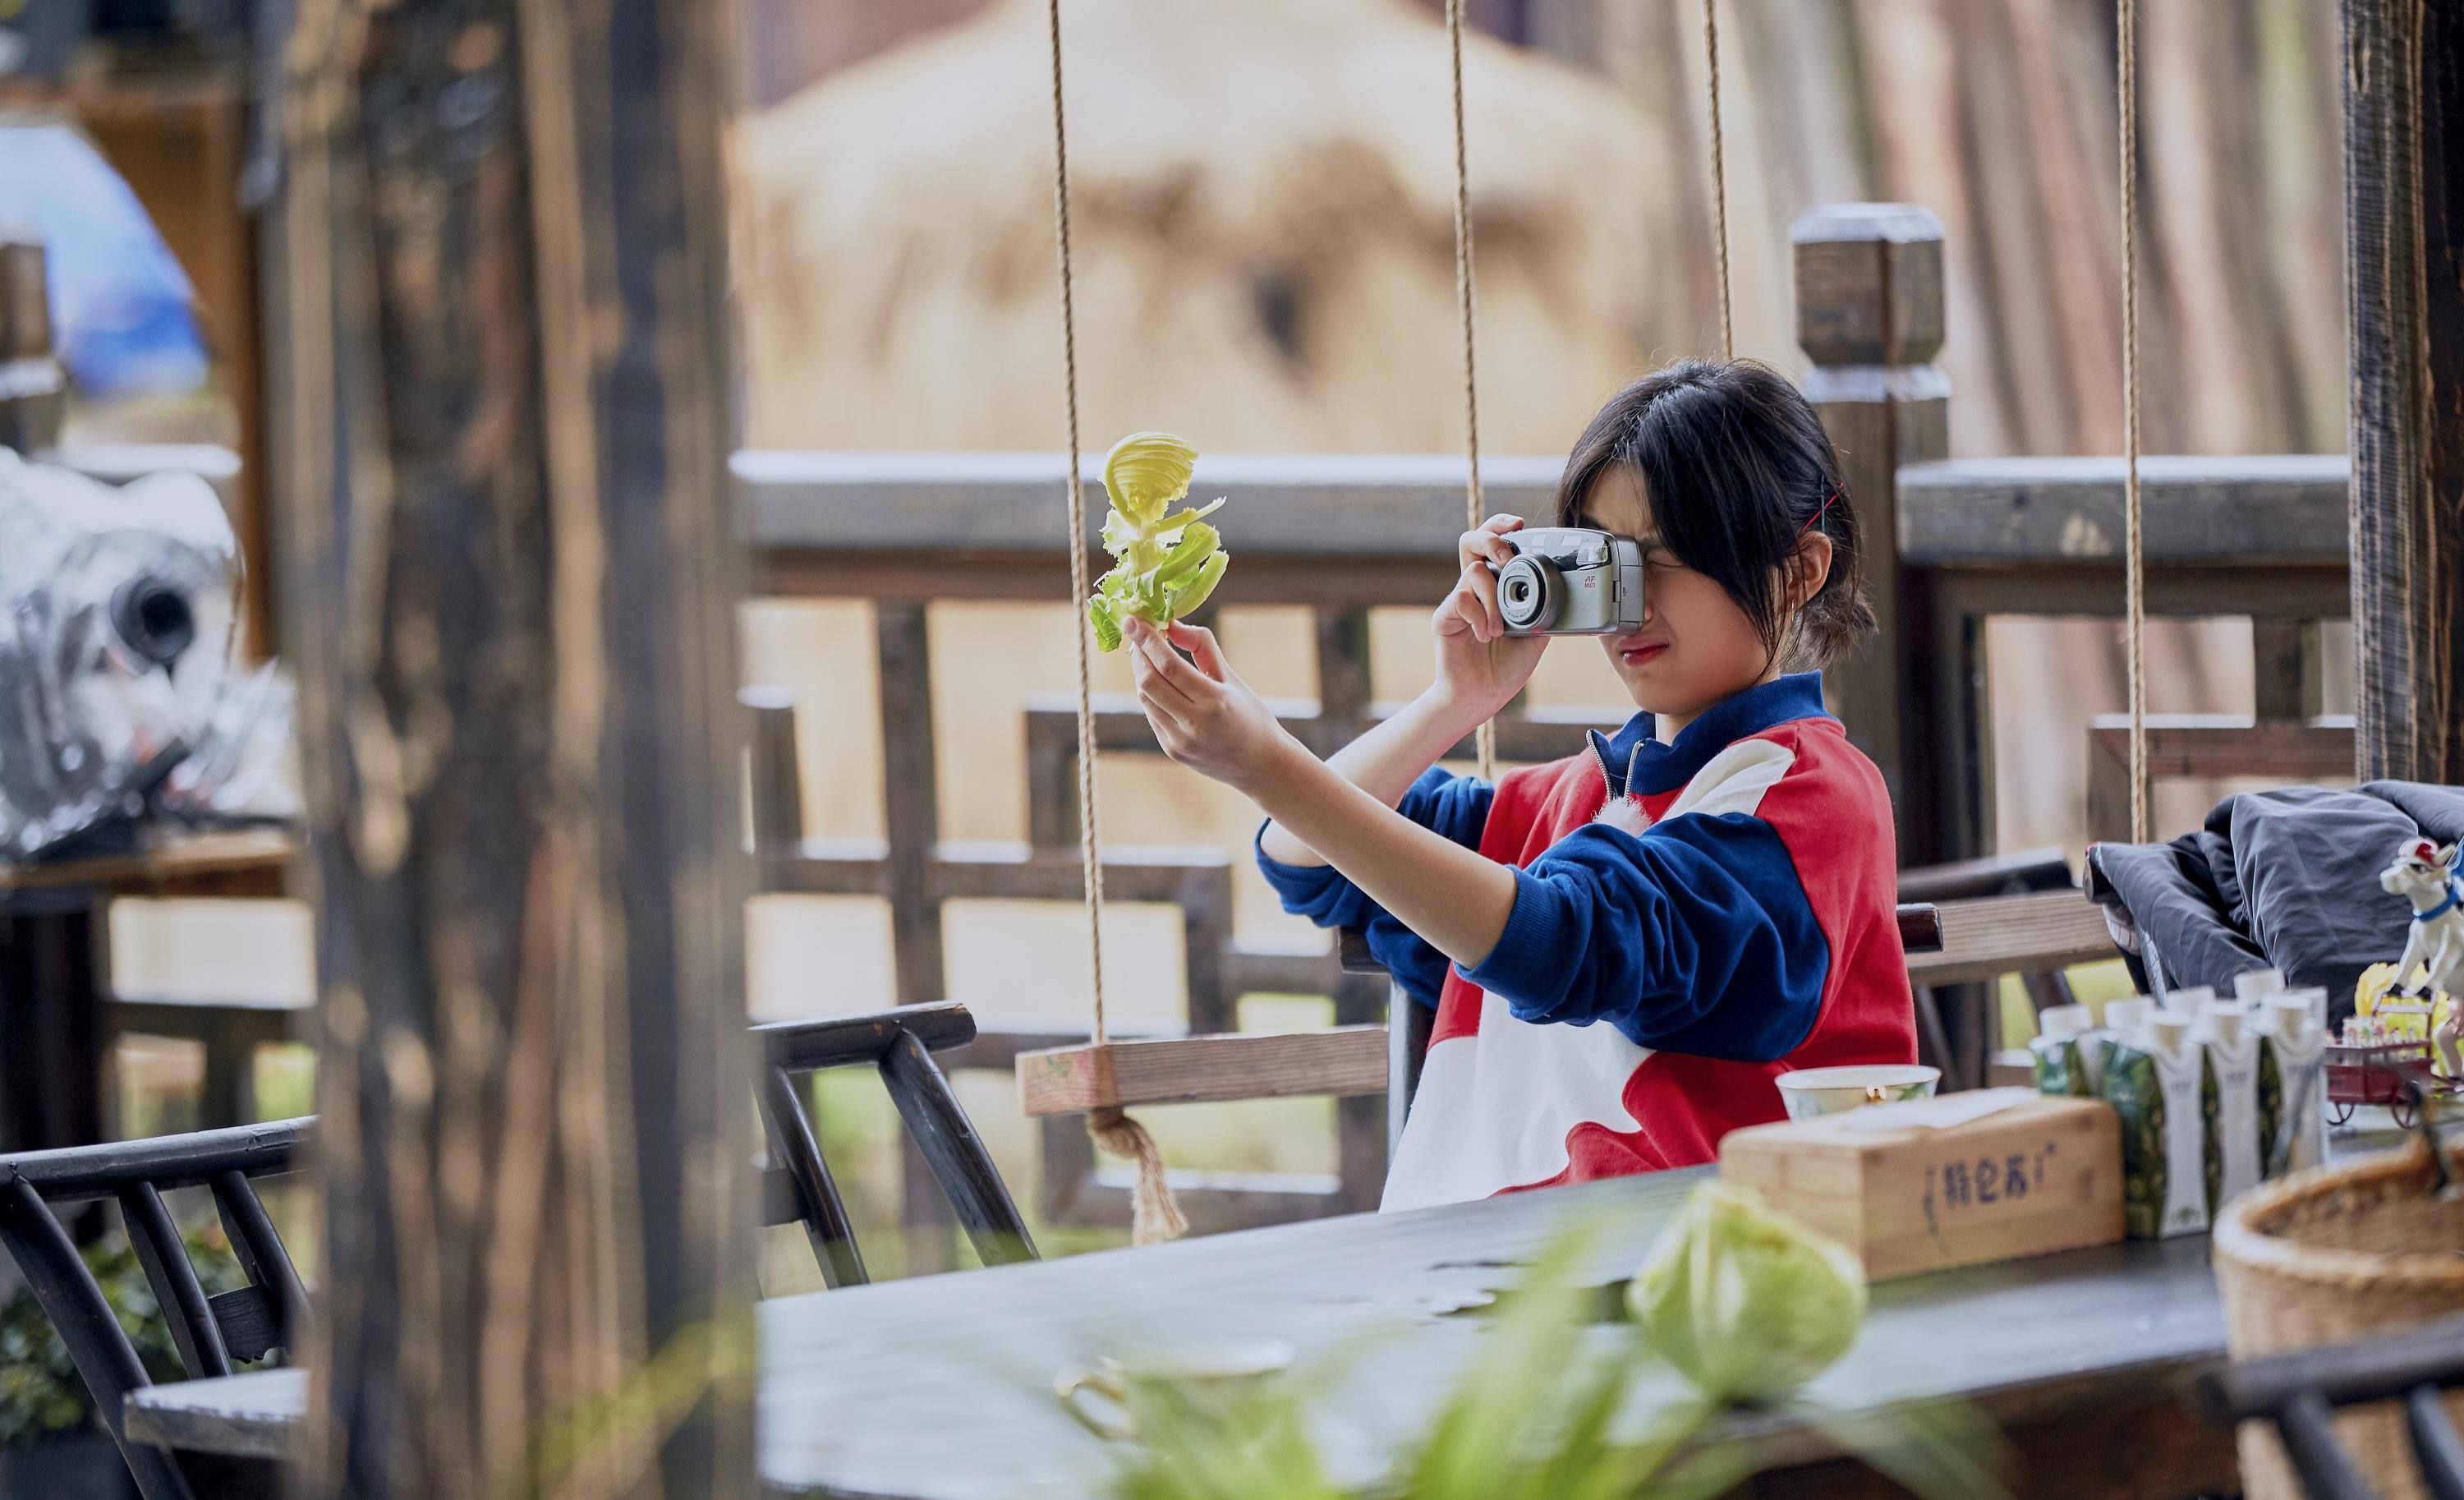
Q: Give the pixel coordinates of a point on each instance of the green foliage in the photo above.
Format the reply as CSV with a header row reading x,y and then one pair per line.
x,y
40,1390
1554,1407
1167,560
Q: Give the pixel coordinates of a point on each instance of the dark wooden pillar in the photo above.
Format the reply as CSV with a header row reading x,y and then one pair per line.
x,y
497,276
1869,312
33,390
2404,250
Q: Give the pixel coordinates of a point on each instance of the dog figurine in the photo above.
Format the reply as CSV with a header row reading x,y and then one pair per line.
x,y
2426,875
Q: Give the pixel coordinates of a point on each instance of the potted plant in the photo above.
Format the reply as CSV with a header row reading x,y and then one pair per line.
x,y
52,1439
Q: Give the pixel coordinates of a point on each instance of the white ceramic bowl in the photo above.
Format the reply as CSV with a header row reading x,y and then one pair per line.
x,y
1827,1091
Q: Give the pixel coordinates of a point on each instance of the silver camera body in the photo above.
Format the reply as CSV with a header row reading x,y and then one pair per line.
x,y
1571,580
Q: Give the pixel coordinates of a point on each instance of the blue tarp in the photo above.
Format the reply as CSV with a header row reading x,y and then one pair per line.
x,y
121,304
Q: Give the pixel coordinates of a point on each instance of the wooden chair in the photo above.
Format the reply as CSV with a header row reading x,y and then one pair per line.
x,y
900,1043
213,1333
2031,939
2301,1392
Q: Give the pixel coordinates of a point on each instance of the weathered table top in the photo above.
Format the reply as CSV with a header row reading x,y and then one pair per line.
x,y
940,1387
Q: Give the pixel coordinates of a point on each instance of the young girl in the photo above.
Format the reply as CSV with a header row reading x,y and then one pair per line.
x,y
1624,947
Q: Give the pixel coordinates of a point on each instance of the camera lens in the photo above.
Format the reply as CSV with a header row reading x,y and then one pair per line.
x,y
1529,592
153,618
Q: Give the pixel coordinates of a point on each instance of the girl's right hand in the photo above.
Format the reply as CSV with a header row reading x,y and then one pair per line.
x,y
1480,667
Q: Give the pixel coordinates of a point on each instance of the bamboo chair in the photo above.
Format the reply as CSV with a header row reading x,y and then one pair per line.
x,y
213,1333
900,1043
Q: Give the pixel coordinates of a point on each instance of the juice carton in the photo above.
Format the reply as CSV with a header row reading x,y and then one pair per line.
x,y
2153,1078
2294,1060
2059,1068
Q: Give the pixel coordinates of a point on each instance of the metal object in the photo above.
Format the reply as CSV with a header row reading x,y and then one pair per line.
x,y
1568,581
117,627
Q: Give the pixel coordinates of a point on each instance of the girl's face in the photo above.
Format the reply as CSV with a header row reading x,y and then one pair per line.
x,y
1696,647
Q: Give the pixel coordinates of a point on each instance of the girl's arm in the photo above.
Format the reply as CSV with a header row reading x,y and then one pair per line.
x,y
1384,762
1207,718
1479,669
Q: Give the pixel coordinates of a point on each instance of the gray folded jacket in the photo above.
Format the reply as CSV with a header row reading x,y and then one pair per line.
x,y
2281,879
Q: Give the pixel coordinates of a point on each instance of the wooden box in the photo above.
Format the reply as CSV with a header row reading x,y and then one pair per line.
x,y
2033,1176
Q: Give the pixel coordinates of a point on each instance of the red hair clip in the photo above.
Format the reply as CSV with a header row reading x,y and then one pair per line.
x,y
1816,518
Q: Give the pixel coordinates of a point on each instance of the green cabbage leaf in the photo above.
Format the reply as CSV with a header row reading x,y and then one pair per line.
x,y
1746,1301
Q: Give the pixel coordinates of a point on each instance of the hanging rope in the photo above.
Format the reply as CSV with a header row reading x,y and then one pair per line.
x,y
1475,503
1719,179
2134,581
1153,1214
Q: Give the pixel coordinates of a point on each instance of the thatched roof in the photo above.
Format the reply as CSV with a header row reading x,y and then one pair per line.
x,y
1263,205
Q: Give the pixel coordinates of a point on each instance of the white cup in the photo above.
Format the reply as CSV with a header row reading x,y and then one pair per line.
x,y
1104,1395
1813,1091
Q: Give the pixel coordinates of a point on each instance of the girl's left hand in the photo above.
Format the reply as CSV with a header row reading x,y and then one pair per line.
x,y
1204,715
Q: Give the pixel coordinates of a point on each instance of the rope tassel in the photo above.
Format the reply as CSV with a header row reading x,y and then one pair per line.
x,y
1154,1214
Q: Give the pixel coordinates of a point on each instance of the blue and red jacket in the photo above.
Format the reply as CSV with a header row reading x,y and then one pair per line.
x,y
1691,920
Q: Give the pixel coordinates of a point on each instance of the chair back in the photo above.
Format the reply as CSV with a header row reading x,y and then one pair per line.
x,y
899,1043
213,1333
2300,1393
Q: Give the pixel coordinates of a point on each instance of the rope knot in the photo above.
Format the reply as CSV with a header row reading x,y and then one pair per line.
x,y
1155,1215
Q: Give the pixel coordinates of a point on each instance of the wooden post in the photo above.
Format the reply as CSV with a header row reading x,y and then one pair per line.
x,y
33,390
2403,247
497,272
1869,311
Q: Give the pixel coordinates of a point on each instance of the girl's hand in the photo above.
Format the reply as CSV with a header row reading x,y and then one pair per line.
x,y
1203,715
1480,667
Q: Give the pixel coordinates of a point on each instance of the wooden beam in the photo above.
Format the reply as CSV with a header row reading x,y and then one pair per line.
x,y
1869,312
2404,255
2283,510
499,375
1307,505
2208,746
1193,1070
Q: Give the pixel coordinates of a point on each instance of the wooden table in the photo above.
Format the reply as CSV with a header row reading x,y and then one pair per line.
x,y
55,967
938,1388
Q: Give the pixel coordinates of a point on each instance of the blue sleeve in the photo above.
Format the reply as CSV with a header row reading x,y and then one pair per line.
x,y
1456,807
1695,937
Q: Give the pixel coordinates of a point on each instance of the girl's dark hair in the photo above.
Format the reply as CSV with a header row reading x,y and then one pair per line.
x,y
1738,469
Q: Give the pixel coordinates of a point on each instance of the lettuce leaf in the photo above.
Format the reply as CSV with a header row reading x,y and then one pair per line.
x,y
1166,562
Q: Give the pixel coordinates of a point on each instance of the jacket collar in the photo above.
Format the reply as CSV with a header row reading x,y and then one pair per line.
x,y
1639,766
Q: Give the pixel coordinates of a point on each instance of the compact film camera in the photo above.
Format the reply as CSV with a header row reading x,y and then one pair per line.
x,y
1570,581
